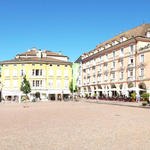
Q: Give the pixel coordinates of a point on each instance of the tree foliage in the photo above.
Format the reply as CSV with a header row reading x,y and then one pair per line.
x,y
71,86
25,86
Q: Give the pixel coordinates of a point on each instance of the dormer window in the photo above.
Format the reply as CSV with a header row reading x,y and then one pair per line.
x,y
114,42
148,34
107,45
101,48
122,39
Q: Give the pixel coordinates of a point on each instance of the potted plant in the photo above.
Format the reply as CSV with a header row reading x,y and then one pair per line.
x,y
144,103
145,97
86,95
133,95
95,95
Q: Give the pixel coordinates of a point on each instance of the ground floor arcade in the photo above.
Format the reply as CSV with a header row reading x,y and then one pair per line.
x,y
113,90
16,95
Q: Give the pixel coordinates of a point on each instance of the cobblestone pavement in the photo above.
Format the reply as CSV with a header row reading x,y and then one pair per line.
x,y
73,126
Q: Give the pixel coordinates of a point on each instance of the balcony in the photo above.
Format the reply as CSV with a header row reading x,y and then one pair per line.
x,y
141,77
99,81
113,69
88,74
131,65
121,68
112,80
94,64
130,78
142,64
106,59
121,79
93,82
99,72
121,55
105,80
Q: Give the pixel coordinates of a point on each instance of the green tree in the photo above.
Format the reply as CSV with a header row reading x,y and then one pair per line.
x,y
71,86
25,86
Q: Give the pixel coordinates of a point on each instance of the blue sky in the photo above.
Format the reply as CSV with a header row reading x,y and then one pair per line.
x,y
72,26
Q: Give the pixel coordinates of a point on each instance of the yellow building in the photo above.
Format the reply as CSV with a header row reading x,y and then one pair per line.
x,y
49,74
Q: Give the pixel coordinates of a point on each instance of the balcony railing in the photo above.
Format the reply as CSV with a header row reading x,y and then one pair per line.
x,y
88,74
130,78
131,65
105,80
141,77
112,80
99,81
112,68
121,79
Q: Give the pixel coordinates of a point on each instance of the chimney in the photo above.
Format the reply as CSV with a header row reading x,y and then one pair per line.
x,y
60,53
34,48
44,52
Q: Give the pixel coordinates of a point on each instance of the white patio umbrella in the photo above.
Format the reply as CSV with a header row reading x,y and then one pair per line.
x,y
135,89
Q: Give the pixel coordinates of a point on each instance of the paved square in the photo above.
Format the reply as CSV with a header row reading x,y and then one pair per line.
x,y
73,126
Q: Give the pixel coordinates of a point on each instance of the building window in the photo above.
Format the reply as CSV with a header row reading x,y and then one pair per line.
x,y
113,54
22,64
121,63
100,58
106,57
40,72
130,73
7,83
15,83
142,72
106,66
58,65
131,49
106,77
142,58
66,84
131,61
33,83
113,64
58,84
66,73
15,72
121,75
6,72
37,72
51,65
51,73
58,72
121,51
66,65
15,64
51,83
41,64
22,72
37,83
33,64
